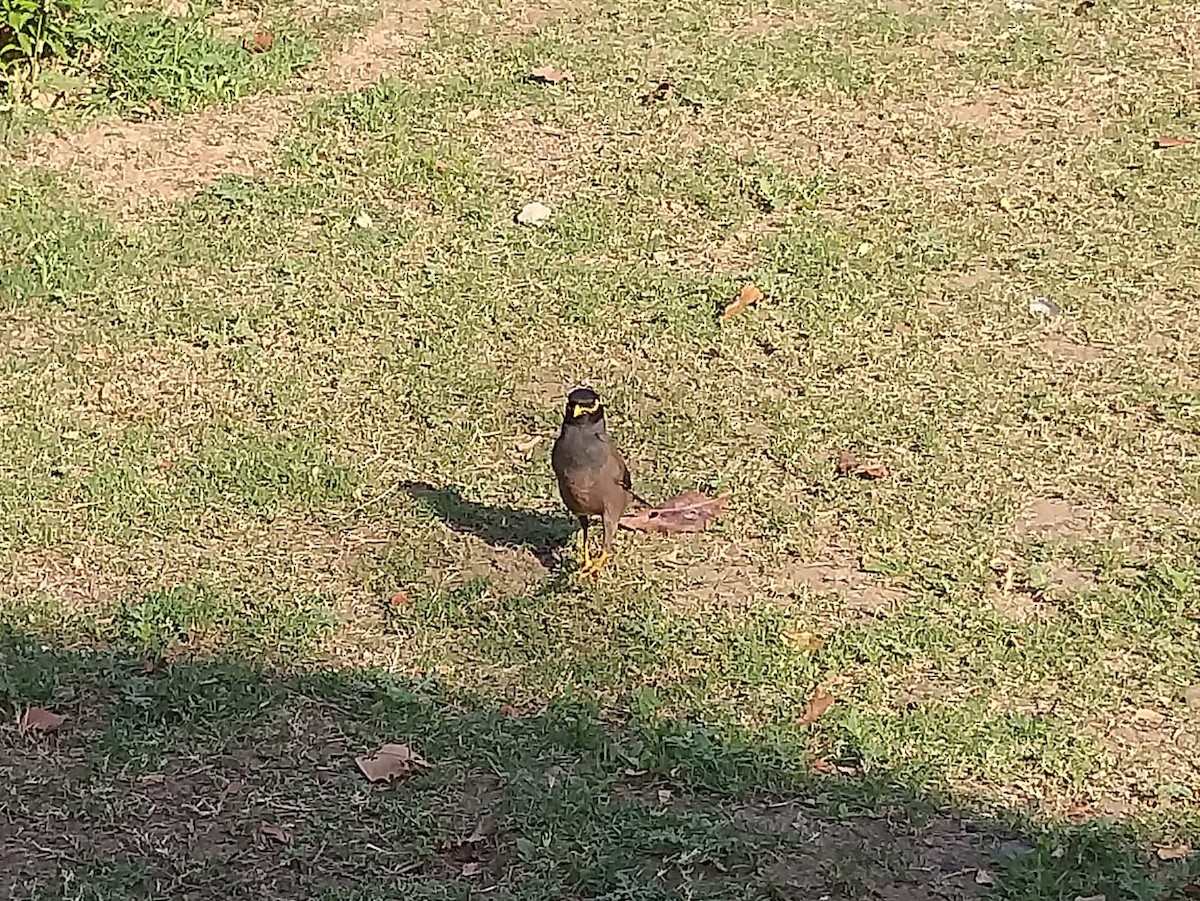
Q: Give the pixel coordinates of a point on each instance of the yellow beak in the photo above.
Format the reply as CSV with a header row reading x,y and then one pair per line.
x,y
578,411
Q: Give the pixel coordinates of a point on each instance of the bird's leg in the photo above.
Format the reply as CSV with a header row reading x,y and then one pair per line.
x,y
610,532
584,553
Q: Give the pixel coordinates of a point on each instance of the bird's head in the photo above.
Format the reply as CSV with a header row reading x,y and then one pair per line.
x,y
583,406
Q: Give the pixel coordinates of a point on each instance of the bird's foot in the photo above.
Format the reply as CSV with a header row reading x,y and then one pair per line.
x,y
593,566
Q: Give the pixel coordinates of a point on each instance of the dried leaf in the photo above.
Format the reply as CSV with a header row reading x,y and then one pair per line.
x,y
750,294
821,767
399,600
1084,7
471,868
390,762
688,512
509,710
550,75
850,465
260,43
983,877
151,779
484,829
664,796
1173,852
847,463
38,719
1091,898
1166,142
280,835
815,708
1191,890
525,443
805,642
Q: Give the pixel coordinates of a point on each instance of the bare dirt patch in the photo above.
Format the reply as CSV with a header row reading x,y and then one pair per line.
x,y
836,574
366,58
1063,348
1052,517
70,578
131,165
998,114
884,858
512,570
1017,606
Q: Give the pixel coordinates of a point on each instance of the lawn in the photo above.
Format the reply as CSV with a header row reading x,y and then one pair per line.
x,y
281,374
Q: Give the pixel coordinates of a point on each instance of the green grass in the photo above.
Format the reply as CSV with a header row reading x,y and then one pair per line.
x,y
233,427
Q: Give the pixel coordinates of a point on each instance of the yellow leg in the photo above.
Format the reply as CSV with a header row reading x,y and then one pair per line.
x,y
593,568
584,553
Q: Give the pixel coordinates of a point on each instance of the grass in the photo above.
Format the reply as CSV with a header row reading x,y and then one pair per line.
x,y
235,425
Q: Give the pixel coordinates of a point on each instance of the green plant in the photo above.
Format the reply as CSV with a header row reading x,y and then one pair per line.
x,y
32,30
183,63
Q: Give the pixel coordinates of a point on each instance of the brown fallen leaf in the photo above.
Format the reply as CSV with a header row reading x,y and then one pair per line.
x,y
687,512
1084,7
983,877
815,708
550,75
1173,852
819,766
525,443
399,600
1168,142
1191,890
805,642
280,835
260,43
850,465
471,868
38,719
391,761
750,294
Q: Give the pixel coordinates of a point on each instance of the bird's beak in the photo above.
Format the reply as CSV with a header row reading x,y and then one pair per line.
x,y
577,412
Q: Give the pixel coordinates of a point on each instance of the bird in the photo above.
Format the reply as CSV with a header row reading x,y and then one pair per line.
x,y
592,476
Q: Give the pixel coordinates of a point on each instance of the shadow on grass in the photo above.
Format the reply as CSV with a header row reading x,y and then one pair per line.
x,y
540,533
214,779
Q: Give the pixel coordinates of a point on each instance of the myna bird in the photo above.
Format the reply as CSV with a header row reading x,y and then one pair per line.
x,y
592,477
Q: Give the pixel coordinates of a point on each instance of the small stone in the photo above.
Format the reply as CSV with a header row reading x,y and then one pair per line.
x,y
1043,306
363,220
533,214
1191,696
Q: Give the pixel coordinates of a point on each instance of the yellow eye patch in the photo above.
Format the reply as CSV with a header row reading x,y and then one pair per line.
x,y
581,409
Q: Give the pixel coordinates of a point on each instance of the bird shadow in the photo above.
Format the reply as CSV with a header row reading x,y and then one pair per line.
x,y
501,527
